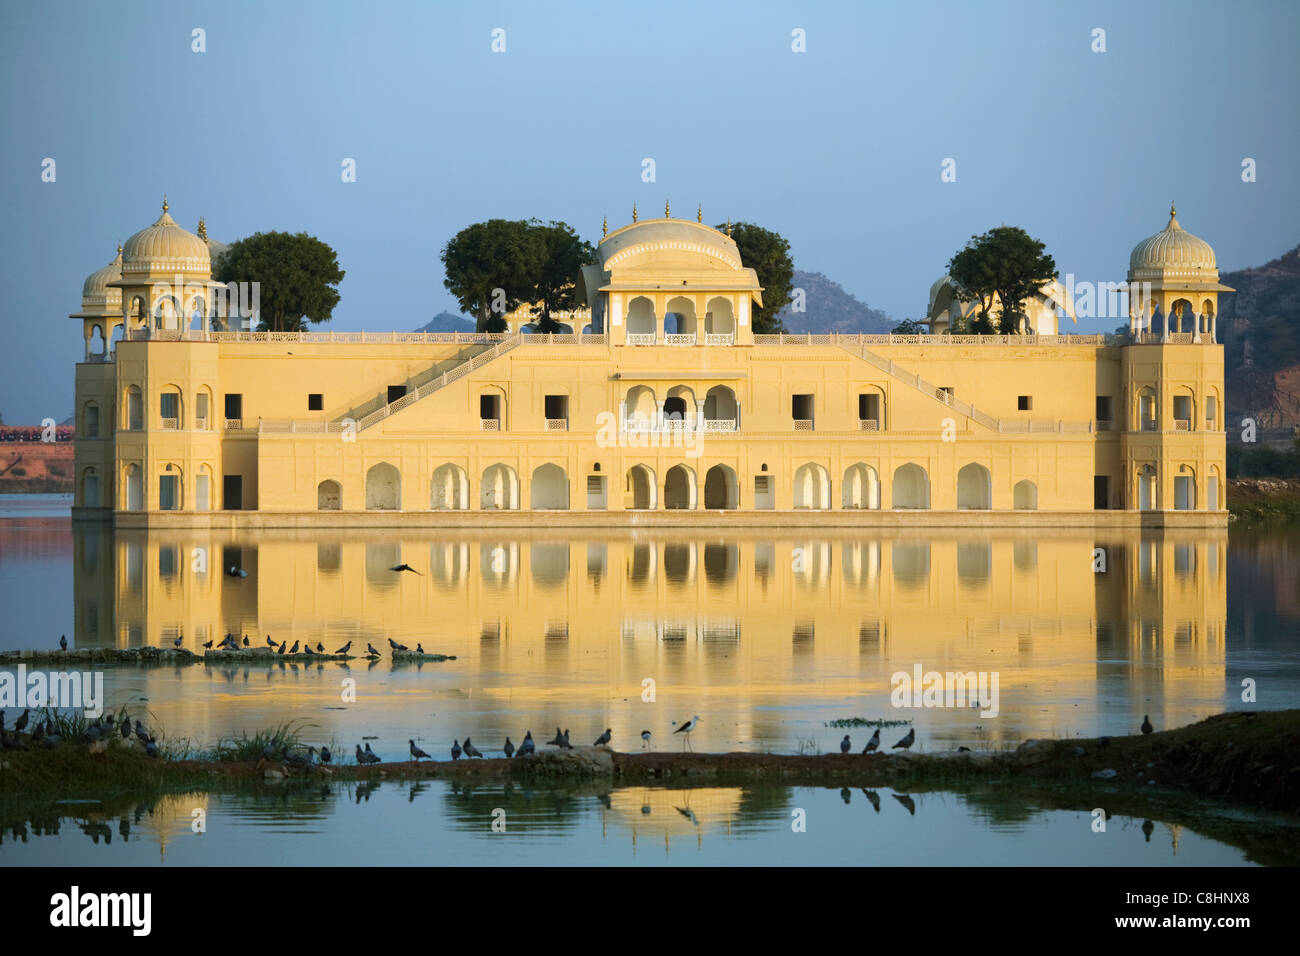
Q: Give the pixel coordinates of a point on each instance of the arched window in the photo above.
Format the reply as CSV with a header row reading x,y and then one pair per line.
x,y
861,487
812,487
499,488
329,496
679,488
720,488
974,488
383,488
910,487
1025,496
549,488
641,486
449,489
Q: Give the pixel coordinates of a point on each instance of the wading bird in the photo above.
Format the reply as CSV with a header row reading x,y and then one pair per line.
x,y
416,752
906,742
686,729
370,650
645,739
873,743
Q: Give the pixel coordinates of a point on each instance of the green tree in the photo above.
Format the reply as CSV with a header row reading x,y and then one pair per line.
x,y
492,268
768,254
909,327
555,287
297,276
1005,262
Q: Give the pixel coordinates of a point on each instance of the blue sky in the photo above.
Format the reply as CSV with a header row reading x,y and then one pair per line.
x,y
838,148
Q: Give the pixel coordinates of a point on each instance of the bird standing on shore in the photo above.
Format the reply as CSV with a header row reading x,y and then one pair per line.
x,y
527,746
604,738
245,640
345,648
419,648
558,740
565,745
373,757
370,650
1146,724
873,743
283,645
509,749
361,757
686,729
178,642
126,726
294,649
469,749
207,645
906,742
845,745
455,750
21,723
416,752
320,648
325,755
63,643
645,739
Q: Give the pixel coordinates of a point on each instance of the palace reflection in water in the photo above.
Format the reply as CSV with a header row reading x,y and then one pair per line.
x,y
761,628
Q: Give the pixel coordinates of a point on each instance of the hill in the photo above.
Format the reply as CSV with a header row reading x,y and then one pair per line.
x,y
448,322
828,308
1259,326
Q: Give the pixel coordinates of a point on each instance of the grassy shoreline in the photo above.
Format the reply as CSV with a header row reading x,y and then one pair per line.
x,y
1263,500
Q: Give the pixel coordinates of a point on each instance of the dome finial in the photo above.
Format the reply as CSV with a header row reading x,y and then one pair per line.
x,y
728,227
667,213
165,206
634,212
119,248
604,226
203,229
1172,211
699,213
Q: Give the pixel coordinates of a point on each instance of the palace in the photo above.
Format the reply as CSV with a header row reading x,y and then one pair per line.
x,y
666,401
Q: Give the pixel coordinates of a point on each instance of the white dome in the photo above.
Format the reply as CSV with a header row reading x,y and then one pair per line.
x,y
165,247
1172,252
96,292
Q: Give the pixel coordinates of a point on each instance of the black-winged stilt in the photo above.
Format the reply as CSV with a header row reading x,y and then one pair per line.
x,y
686,729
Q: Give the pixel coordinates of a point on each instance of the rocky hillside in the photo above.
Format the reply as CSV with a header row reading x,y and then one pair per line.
x,y
448,322
830,309
1259,325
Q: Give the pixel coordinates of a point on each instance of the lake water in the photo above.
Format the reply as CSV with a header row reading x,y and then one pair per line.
x,y
767,636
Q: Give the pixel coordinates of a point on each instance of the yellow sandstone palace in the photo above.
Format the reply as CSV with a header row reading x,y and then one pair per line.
x,y
667,401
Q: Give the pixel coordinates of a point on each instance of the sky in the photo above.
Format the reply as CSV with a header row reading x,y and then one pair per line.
x,y
840,147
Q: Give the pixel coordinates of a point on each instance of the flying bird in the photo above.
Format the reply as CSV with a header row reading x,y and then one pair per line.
x,y
509,749
455,750
1146,724
405,567
686,729
469,749
235,572
603,739
906,742
873,743
526,746
416,752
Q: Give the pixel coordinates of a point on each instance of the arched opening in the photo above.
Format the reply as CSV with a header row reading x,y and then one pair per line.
x,y
1146,480
1212,489
679,316
812,487
203,489
641,317
1025,496
720,489
640,406
910,487
117,335
499,489
1144,410
1185,489
166,313
861,487
98,344
171,413
720,409
89,420
329,496
871,410
641,484
89,489
449,488
974,488
1181,312
134,409
1184,409
679,406
718,317
549,489
383,488
134,488
492,409
203,409
679,488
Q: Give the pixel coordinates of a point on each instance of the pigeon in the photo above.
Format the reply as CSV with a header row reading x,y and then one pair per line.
x,y
294,649
141,732
645,738
469,749
126,727
845,745
527,746
269,640
325,756
455,750
370,650
151,747
361,758
1146,724
566,745
208,645
558,741
320,648
306,649
417,753
906,742
405,567
245,640
604,738
419,648
268,752
283,645
873,743
63,642
373,757
509,749
345,648
178,642
21,723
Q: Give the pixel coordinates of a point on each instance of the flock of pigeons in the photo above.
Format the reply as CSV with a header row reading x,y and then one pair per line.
x,y
46,735
231,643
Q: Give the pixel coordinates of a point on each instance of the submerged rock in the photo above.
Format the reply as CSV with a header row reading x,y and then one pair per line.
x,y
1107,774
